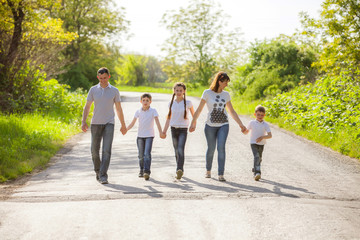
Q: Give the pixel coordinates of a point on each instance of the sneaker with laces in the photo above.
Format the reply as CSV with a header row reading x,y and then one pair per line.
x,y
146,176
141,174
257,177
179,174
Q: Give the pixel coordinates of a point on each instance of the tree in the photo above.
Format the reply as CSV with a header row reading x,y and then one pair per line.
x,y
94,21
154,72
131,70
198,35
275,66
30,40
338,30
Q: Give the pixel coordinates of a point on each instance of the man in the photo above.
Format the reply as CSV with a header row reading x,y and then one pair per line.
x,y
104,96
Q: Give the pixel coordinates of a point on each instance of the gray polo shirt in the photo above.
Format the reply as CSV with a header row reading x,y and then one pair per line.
x,y
104,100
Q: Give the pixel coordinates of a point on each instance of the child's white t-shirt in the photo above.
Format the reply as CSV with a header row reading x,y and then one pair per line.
x,y
258,129
216,102
177,114
146,122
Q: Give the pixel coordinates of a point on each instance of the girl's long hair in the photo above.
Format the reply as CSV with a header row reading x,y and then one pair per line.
x,y
220,76
178,84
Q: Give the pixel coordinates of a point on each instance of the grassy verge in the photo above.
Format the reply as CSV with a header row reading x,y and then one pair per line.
x,y
29,141
339,140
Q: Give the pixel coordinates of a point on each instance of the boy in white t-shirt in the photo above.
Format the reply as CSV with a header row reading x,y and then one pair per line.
x,y
146,133
260,131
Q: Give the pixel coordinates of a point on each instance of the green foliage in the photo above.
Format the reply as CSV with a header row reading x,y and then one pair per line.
x,y
199,43
275,66
191,90
137,70
338,32
29,140
94,21
330,107
131,70
30,41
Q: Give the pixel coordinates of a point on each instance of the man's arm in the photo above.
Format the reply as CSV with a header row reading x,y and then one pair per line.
x,y
120,115
85,115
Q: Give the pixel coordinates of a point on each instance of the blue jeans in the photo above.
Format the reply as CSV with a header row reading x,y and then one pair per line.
x,y
106,133
213,135
179,136
144,147
257,152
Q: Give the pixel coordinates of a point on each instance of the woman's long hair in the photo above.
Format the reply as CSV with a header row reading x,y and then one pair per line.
x,y
178,84
220,76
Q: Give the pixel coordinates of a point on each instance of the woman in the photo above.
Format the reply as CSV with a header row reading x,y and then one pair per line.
x,y
217,124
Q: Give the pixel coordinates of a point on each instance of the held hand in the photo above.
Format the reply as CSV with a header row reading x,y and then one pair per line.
x,y
192,127
243,128
162,135
84,127
259,139
123,130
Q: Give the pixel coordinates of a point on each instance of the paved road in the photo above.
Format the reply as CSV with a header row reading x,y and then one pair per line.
x,y
307,192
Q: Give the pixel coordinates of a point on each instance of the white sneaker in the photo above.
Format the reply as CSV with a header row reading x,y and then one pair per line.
x,y
257,176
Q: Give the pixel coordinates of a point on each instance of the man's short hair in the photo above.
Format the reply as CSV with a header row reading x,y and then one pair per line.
x,y
146,95
260,108
103,70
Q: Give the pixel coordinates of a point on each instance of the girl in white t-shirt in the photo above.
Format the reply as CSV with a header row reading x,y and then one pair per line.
x,y
178,119
217,123
146,134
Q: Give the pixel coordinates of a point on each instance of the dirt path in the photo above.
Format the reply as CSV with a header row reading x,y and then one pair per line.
x,y
307,191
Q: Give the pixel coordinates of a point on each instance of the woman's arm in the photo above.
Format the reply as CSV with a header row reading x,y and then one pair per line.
x,y
235,116
196,115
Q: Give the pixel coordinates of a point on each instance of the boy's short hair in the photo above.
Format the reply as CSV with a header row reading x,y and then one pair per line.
x,y
103,70
145,95
260,108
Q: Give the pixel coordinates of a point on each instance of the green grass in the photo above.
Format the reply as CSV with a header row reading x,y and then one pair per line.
x,y
28,141
340,140
244,107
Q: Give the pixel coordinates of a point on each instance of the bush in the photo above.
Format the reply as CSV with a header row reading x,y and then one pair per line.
x,y
330,106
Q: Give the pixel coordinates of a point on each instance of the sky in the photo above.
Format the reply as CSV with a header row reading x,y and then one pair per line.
x,y
257,19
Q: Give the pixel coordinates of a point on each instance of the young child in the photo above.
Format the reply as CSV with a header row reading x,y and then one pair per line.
x,y
260,131
146,133
178,119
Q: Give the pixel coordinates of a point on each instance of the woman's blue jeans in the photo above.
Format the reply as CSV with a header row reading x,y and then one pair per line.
x,y
144,147
216,135
106,133
179,136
